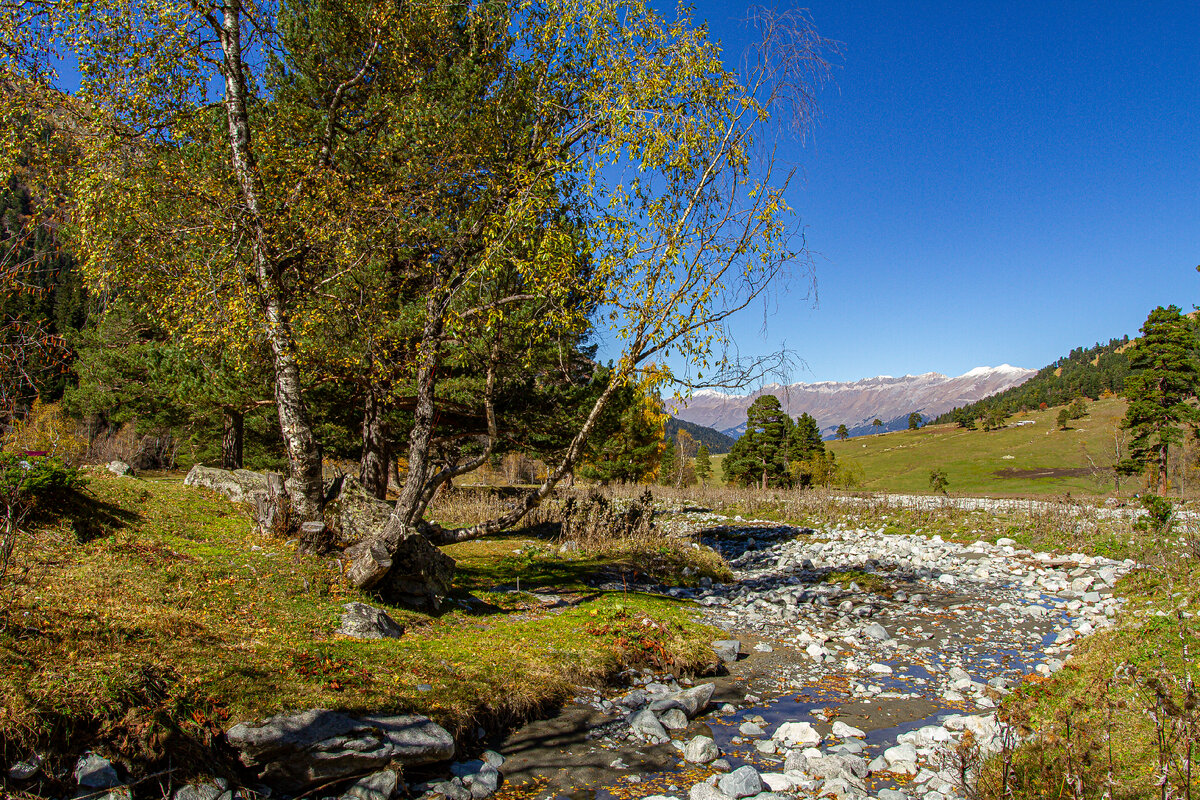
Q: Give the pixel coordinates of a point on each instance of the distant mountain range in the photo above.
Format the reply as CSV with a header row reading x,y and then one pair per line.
x,y
855,405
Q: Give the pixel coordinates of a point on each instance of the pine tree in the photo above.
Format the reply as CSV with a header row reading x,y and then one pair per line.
x,y
1164,380
703,464
843,432
806,439
760,457
667,465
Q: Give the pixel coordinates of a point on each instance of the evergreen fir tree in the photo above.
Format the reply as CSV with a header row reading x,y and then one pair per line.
x,y
1158,391
703,465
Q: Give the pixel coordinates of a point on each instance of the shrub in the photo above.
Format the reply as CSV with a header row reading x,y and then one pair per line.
x,y
25,483
1159,514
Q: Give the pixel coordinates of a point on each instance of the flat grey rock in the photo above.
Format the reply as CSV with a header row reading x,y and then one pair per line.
x,y
292,752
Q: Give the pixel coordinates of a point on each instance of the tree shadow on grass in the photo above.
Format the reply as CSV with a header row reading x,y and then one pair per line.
x,y
89,517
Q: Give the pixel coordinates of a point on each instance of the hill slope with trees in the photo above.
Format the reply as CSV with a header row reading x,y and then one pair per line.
x,y
1092,372
713,439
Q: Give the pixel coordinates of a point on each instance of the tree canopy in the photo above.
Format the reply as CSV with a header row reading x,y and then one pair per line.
x,y
422,202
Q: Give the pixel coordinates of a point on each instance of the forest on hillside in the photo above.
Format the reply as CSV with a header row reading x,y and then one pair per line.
x,y
1092,372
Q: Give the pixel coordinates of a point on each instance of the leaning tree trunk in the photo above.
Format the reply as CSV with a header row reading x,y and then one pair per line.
x,y
373,468
232,438
304,454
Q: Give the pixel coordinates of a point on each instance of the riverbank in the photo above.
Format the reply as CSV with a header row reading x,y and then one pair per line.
x,y
153,619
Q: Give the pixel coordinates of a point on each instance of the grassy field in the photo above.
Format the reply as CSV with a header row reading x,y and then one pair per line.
x,y
1036,459
150,616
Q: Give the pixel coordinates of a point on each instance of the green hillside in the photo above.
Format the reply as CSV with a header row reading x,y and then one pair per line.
x,y
714,440
1085,372
1030,459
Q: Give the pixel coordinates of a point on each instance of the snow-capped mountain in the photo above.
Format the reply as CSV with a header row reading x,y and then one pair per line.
x,y
855,404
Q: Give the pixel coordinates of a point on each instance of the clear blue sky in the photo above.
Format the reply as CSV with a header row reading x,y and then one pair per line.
x,y
990,182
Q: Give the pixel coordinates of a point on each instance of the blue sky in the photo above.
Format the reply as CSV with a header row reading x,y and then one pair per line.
x,y
989,183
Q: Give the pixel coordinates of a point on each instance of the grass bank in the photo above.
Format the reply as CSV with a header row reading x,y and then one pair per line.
x,y
150,617
1031,458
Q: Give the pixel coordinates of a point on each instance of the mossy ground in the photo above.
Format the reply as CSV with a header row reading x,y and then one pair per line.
x,y
150,617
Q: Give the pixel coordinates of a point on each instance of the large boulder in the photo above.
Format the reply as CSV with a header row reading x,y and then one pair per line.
x,y
354,514
417,575
239,485
292,752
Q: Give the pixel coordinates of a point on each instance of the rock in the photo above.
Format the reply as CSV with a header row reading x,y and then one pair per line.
x,y
380,785
673,719
239,485
484,782
361,621
795,761
695,700
354,515
645,724
417,575
450,790
727,649
24,770
750,729
777,781
879,669
95,772
891,794
742,782
876,631
701,750
844,731
120,468
900,753
493,758
292,752
791,734
202,791
703,791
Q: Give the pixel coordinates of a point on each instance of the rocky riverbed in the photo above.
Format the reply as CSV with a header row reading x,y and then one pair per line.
x,y
858,662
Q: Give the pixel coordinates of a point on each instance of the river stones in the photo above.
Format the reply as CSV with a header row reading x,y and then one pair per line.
x,y
742,782
701,750
727,650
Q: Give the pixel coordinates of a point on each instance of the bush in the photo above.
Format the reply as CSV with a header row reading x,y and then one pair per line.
x,y
25,483
1159,513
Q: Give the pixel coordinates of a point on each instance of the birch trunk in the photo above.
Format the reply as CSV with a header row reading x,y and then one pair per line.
x,y
304,454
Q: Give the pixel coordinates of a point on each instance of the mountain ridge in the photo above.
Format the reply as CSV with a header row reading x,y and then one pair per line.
x,y
854,404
